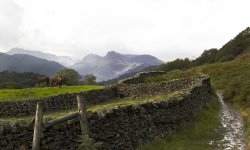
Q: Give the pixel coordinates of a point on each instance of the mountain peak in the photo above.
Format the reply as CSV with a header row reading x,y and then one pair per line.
x,y
113,54
114,64
91,56
246,31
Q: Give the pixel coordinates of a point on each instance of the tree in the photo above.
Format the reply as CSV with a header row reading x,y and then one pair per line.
x,y
71,76
89,79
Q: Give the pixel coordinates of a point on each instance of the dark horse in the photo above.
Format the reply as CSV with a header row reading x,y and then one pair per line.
x,y
39,80
57,80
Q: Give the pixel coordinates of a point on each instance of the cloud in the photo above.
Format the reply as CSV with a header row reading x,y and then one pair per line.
x,y
11,20
166,29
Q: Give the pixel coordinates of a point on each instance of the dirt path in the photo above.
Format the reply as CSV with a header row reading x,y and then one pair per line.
x,y
232,124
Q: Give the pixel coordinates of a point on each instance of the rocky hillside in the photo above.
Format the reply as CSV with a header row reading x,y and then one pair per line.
x,y
114,64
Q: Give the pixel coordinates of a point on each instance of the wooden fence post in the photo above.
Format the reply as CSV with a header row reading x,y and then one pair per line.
x,y
83,114
37,127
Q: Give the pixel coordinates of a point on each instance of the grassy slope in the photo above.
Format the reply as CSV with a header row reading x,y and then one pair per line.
x,y
232,78
31,93
196,135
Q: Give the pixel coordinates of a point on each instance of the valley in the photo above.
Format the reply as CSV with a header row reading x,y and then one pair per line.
x,y
218,125
124,75
110,66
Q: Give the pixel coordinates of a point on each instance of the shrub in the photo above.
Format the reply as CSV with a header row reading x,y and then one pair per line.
x,y
72,77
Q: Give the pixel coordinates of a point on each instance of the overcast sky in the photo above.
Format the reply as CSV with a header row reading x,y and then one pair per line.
x,y
166,29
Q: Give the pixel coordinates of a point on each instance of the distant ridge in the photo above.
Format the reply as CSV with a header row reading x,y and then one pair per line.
x,y
114,64
64,60
27,63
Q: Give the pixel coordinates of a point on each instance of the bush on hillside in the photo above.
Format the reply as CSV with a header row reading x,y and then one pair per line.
x,y
89,79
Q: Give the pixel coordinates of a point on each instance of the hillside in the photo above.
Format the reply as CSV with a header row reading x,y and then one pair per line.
x,y
114,64
232,78
27,63
229,51
64,60
228,68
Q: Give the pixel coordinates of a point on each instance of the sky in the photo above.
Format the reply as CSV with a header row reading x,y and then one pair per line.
x,y
167,29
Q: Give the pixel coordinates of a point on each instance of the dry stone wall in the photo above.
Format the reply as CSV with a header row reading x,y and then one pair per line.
x,y
55,103
139,77
120,128
141,89
68,100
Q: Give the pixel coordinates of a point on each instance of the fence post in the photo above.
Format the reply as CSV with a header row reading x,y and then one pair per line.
x,y
37,127
81,102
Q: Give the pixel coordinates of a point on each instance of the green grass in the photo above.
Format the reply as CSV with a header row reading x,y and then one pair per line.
x,y
32,93
196,135
105,105
232,78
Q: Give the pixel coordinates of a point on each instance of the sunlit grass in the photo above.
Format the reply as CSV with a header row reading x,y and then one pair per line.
x,y
32,93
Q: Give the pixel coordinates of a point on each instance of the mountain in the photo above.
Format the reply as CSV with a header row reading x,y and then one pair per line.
x,y
113,64
27,63
64,60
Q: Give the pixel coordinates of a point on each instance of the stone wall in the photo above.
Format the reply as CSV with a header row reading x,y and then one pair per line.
x,y
139,77
68,100
124,127
141,89
55,103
